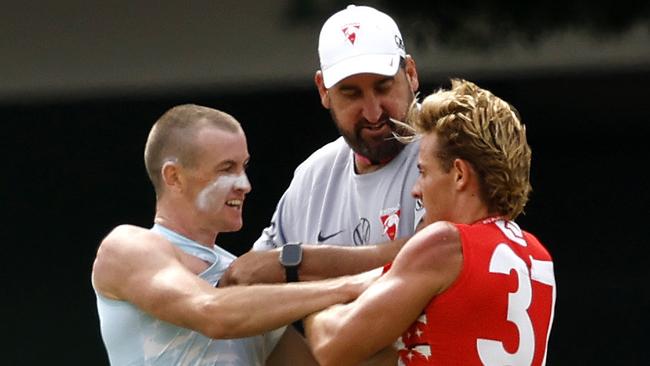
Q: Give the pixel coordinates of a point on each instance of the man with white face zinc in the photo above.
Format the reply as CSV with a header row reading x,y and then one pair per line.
x,y
351,196
155,288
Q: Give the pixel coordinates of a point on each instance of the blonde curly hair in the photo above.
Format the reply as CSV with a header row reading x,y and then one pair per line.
x,y
475,125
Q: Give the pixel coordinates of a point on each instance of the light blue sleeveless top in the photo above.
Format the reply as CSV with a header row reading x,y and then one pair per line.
x,y
132,337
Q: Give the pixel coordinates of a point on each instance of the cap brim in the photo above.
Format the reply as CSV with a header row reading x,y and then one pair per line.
x,y
386,65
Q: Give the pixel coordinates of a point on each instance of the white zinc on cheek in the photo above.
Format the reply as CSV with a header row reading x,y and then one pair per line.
x,y
241,182
214,194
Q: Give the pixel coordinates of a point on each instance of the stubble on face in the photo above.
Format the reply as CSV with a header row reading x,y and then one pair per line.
x,y
377,149
381,148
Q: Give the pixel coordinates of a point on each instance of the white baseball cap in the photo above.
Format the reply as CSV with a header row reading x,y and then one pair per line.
x,y
359,39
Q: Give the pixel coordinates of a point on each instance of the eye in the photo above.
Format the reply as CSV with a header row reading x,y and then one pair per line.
x,y
385,85
349,93
227,167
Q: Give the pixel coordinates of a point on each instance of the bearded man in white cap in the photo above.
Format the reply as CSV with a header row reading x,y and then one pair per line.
x,y
348,208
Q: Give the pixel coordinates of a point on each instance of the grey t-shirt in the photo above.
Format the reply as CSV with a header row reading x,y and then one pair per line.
x,y
327,202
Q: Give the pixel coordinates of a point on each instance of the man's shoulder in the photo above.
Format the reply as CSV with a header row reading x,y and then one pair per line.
x,y
129,239
124,232
329,151
128,229
434,239
115,256
439,231
332,153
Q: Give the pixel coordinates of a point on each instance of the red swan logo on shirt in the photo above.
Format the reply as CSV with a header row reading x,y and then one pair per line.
x,y
390,220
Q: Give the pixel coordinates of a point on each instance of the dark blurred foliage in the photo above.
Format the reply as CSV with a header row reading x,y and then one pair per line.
x,y
481,24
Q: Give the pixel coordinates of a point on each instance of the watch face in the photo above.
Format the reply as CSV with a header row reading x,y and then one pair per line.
x,y
291,254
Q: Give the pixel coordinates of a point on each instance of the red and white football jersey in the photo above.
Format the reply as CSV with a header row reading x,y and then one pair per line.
x,y
498,311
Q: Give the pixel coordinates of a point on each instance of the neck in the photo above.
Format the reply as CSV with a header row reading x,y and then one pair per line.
x,y
184,224
364,165
473,210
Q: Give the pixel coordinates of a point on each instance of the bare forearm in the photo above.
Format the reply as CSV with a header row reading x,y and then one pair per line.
x,y
325,261
319,262
239,311
350,333
323,330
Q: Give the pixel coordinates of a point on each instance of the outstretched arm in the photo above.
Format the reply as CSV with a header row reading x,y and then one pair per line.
x,y
319,262
141,267
427,265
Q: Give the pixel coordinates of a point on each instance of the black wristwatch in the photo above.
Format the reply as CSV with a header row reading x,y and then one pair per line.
x,y
290,259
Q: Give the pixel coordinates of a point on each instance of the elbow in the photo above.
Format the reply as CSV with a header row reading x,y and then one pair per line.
x,y
223,317
324,356
330,351
217,328
216,321
329,339
213,329
329,354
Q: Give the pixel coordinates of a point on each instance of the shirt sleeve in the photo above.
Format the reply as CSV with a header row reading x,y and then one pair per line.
x,y
270,238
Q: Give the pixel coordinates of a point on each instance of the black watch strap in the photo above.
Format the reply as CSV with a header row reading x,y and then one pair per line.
x,y
291,258
292,273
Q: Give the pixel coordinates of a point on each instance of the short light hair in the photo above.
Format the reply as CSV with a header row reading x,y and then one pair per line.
x,y
173,137
475,125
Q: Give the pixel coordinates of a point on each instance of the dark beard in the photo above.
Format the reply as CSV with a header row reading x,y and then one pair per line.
x,y
378,153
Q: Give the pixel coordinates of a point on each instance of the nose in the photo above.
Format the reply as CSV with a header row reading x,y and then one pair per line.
x,y
415,191
242,183
372,109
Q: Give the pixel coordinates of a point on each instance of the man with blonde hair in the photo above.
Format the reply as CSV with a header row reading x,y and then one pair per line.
x,y
155,289
470,288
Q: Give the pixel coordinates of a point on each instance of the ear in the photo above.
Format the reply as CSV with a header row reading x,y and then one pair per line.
x,y
171,176
463,174
322,90
412,73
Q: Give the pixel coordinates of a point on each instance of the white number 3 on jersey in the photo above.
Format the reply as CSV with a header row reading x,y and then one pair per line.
x,y
504,260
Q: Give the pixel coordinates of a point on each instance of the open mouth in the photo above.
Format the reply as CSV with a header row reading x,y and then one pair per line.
x,y
234,203
376,127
